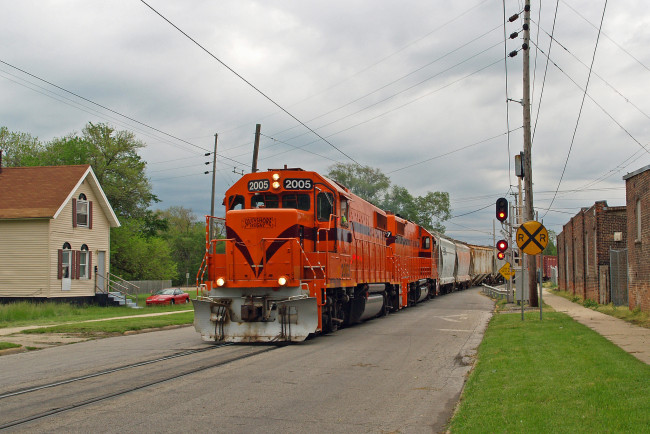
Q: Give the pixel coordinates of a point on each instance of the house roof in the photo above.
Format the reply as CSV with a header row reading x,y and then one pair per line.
x,y
43,191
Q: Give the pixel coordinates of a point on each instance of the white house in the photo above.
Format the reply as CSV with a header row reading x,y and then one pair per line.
x,y
54,229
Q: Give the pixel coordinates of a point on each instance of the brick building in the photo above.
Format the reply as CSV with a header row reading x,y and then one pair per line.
x,y
584,250
637,187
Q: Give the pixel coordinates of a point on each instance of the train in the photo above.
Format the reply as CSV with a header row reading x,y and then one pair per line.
x,y
298,254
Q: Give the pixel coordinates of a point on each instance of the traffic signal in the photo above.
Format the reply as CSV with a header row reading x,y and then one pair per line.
x,y
502,209
502,246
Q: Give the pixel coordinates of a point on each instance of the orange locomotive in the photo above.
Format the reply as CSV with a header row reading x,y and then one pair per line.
x,y
302,255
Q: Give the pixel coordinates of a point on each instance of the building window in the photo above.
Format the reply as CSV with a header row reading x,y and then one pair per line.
x,y
66,261
82,211
637,218
84,256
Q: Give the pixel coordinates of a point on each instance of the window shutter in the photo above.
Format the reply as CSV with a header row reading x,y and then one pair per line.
x,y
90,264
77,268
59,272
74,212
90,215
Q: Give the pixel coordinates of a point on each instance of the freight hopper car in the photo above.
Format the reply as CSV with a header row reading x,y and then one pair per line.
x,y
303,255
485,266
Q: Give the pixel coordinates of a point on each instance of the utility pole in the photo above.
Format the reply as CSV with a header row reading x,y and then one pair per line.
x,y
528,171
214,176
256,148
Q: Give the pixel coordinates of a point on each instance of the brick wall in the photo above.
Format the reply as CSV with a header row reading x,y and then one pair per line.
x,y
578,255
637,186
568,242
561,262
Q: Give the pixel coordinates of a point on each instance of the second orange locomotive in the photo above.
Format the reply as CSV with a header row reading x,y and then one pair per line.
x,y
301,255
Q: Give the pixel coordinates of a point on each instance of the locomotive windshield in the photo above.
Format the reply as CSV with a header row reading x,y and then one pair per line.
x,y
264,201
296,201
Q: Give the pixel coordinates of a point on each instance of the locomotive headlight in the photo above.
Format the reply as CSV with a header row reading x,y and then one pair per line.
x,y
282,280
221,281
276,185
276,176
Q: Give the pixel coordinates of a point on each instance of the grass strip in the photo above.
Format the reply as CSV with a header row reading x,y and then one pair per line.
x,y
7,345
27,313
118,325
554,375
633,316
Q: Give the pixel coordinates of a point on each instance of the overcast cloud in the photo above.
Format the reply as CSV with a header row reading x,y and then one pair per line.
x,y
397,85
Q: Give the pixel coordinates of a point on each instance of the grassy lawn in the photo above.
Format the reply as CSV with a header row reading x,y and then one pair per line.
x,y
25,313
635,316
7,345
118,326
554,375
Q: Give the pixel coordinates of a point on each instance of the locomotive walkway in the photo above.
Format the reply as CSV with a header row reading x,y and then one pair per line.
x,y
631,338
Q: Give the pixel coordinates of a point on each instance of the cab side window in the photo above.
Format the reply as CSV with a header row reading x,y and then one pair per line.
x,y
324,206
344,212
236,202
426,243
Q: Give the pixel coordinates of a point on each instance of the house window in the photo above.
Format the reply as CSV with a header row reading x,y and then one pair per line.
x,y
66,261
82,211
84,255
637,218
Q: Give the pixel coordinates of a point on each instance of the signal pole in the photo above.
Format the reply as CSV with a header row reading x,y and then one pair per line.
x,y
528,171
256,147
214,176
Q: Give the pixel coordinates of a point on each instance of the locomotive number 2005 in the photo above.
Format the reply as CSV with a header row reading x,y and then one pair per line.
x,y
259,185
298,184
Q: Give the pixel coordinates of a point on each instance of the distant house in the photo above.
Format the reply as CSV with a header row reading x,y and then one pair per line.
x,y
584,249
54,232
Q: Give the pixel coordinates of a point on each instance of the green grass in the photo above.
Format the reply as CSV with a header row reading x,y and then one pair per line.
x,y
554,375
7,345
635,316
118,326
27,313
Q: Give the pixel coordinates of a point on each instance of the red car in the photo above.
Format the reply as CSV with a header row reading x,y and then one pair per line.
x,y
168,296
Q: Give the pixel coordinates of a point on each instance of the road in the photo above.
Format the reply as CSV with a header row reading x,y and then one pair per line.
x,y
403,373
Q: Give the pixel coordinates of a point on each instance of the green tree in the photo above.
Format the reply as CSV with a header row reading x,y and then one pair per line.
x,y
136,256
551,247
19,149
364,181
429,210
186,237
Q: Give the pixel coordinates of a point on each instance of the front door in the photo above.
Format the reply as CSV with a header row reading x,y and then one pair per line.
x,y
66,280
101,271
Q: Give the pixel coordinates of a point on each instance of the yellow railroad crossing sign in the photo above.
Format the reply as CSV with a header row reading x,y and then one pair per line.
x,y
532,237
506,271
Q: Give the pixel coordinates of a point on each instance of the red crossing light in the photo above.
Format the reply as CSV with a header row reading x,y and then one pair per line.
x,y
501,255
502,246
502,209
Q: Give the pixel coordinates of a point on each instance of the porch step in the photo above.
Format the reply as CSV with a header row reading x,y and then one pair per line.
x,y
118,299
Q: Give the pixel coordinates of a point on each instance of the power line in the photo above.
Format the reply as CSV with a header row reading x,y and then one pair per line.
x,y
584,96
248,82
452,152
597,104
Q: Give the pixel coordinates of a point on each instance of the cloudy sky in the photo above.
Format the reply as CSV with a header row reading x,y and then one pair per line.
x,y
416,89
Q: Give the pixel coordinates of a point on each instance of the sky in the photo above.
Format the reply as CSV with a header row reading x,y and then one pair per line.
x,y
416,89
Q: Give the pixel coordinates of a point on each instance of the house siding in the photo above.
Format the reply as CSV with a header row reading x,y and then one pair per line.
x,y
24,248
97,239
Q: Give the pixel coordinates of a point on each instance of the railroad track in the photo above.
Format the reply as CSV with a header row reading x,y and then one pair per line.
x,y
31,404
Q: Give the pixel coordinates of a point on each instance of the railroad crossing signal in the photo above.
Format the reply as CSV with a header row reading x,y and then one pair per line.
x,y
502,209
532,237
502,246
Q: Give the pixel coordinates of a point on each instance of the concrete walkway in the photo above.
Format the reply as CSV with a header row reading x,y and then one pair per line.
x,y
633,339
